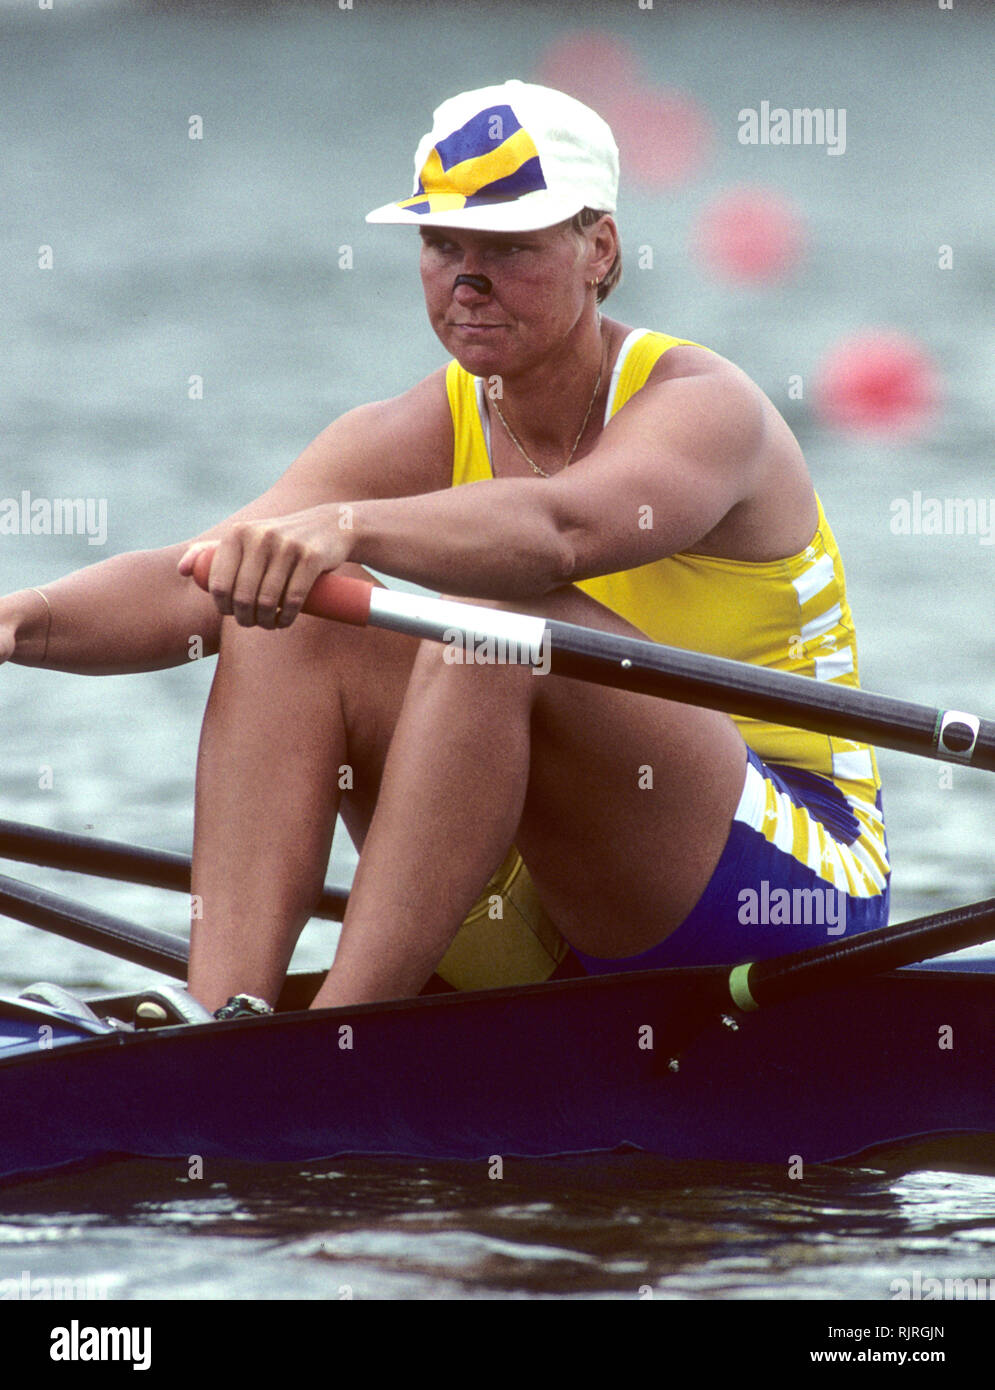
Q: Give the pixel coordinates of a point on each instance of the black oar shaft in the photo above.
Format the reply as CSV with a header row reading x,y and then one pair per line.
x,y
632,663
887,948
756,692
156,950
153,868
56,849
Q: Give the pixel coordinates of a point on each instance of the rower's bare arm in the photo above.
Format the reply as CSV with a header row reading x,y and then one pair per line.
x,y
666,472
134,612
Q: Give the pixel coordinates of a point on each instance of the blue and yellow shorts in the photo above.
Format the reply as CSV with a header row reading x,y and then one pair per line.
x,y
804,864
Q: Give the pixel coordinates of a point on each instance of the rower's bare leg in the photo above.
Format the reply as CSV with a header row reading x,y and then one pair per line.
x,y
451,799
620,803
288,710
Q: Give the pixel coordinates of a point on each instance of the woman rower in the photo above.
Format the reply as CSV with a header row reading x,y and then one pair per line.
x,y
561,464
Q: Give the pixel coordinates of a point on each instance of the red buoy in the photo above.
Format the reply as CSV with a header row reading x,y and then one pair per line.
x,y
664,135
592,66
751,236
877,382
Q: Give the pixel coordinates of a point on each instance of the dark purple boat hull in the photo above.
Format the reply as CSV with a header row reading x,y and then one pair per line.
x,y
541,1070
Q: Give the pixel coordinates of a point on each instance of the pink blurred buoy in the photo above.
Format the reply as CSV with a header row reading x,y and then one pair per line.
x,y
664,137
751,236
591,66
877,382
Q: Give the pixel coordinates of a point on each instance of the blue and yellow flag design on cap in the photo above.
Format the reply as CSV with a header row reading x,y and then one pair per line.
x,y
489,159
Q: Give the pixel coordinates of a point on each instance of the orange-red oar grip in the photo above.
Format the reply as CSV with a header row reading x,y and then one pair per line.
x,y
332,595
202,567
339,597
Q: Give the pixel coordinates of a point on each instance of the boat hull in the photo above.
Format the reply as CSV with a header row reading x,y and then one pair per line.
x,y
574,1067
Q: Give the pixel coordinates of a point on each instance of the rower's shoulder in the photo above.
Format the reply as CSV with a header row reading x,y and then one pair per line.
x,y
690,378
777,511
649,358
408,436
420,410
670,380
680,359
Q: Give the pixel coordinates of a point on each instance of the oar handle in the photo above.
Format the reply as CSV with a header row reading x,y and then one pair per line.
x,y
332,595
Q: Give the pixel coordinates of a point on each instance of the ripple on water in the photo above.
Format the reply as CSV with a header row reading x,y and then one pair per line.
x,y
602,1228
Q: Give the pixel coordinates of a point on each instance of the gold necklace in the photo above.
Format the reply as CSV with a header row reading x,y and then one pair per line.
x,y
518,443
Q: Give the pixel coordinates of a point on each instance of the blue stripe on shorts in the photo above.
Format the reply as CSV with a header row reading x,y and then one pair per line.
x,y
748,883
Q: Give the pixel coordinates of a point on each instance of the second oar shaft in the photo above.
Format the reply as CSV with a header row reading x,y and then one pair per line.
x,y
90,927
887,948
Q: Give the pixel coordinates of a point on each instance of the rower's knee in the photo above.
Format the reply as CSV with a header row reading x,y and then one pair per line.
x,y
307,639
478,666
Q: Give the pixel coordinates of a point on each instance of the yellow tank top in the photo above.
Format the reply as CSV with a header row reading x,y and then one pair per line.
x,y
789,615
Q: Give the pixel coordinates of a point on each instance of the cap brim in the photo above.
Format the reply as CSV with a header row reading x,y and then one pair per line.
x,y
530,213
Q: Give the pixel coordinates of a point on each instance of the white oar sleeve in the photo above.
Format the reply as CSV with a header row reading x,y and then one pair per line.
x,y
514,638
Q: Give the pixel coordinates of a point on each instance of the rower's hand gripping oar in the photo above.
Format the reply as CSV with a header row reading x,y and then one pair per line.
x,y
630,663
354,601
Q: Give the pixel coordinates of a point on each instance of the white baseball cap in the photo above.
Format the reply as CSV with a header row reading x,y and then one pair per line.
x,y
511,158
